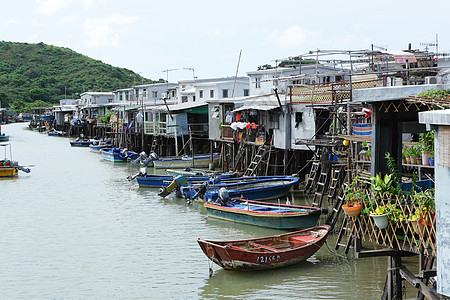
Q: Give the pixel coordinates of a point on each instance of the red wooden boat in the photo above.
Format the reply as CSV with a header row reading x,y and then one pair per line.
x,y
266,252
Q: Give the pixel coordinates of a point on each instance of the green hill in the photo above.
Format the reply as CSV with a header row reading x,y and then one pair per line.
x,y
40,72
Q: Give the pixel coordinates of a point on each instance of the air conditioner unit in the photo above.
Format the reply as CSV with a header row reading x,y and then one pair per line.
x,y
431,80
398,81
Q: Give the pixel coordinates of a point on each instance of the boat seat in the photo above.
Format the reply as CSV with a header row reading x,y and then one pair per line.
x,y
300,240
265,247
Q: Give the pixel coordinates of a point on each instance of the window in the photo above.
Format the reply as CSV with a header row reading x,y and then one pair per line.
x,y
257,82
155,94
211,93
200,93
193,98
184,99
224,93
246,92
215,112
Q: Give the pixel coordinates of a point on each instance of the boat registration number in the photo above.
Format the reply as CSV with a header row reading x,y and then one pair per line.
x,y
267,259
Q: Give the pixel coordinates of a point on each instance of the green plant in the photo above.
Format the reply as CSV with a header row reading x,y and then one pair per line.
x,y
394,214
354,195
426,200
414,216
382,185
427,140
369,152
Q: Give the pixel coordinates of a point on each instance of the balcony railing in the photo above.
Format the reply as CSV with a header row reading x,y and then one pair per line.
x,y
155,128
199,128
411,228
329,92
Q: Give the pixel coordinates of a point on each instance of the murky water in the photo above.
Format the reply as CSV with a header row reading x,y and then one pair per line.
x,y
75,228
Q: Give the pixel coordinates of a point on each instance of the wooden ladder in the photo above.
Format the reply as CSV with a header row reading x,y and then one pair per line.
x,y
240,151
321,186
154,144
337,207
342,230
335,183
311,181
260,153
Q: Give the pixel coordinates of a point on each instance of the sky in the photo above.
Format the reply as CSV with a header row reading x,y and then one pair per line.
x,y
205,38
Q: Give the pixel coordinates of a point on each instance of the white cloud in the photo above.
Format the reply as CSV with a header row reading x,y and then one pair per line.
x,y
292,37
106,31
50,7
72,19
38,24
12,22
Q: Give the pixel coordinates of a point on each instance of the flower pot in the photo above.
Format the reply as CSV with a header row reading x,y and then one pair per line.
x,y
425,160
431,160
408,159
413,159
382,221
428,220
352,211
404,160
417,226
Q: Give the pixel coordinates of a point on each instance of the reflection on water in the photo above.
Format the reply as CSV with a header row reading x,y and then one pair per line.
x,y
76,228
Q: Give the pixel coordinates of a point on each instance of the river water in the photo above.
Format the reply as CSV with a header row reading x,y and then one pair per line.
x,y
75,228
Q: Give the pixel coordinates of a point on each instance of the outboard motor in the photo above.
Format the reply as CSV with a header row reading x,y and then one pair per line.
x,y
179,181
142,156
201,191
223,197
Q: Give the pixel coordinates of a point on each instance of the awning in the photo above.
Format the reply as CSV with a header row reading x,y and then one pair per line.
x,y
256,107
198,110
400,57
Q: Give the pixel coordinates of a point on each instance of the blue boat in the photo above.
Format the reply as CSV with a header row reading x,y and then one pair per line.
x,y
185,161
158,181
99,146
87,142
250,188
118,155
264,214
57,133
4,137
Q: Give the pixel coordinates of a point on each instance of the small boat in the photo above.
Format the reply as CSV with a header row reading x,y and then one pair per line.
x,y
87,142
185,161
157,181
96,147
57,133
4,137
190,171
82,143
118,155
8,168
251,188
265,214
266,252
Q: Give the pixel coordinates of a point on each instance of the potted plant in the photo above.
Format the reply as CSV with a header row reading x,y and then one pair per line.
x,y
427,141
354,197
381,216
407,151
384,214
426,202
413,219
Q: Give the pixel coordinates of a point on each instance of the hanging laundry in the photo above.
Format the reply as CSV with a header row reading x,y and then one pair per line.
x,y
228,117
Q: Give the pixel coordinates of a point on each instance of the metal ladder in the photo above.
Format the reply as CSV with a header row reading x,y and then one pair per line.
x,y
260,153
335,183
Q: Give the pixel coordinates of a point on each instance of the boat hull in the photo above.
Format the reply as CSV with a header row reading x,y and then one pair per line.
x,y
268,252
155,181
178,162
116,155
260,188
263,214
8,172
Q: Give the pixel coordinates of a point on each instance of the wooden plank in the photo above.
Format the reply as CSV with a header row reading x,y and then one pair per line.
x,y
383,252
417,283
